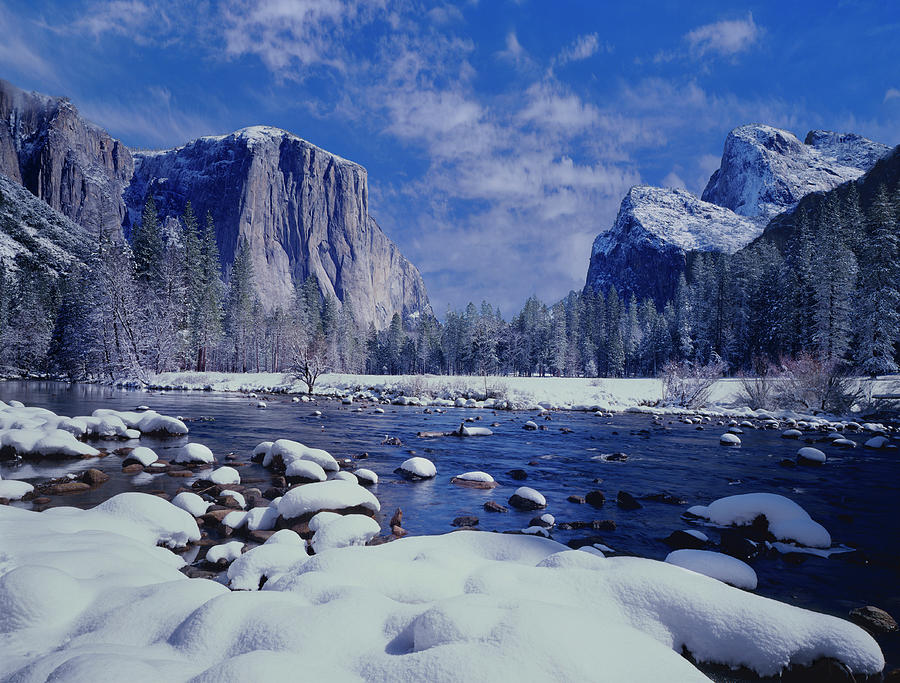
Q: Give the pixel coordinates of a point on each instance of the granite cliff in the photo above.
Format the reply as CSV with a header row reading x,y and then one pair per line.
x,y
299,209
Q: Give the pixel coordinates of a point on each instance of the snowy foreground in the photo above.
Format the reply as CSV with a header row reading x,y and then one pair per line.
x,y
92,595
517,393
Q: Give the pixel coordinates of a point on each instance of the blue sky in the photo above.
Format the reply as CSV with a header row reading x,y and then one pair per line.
x,y
500,136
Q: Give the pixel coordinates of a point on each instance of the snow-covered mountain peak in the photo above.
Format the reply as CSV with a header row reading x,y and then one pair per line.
x,y
253,138
678,218
848,149
766,170
645,250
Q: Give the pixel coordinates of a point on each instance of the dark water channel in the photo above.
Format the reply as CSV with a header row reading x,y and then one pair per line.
x,y
855,495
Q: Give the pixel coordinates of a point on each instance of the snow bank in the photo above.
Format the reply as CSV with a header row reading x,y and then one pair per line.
x,y
716,565
787,520
88,596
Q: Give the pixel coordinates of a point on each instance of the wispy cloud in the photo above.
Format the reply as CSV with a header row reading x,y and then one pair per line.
x,y
581,48
726,38
151,116
891,94
17,56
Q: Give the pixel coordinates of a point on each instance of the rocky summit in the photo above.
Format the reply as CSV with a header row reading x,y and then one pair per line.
x,y
764,172
299,209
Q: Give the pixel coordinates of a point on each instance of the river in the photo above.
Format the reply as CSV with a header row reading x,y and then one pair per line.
x,y
854,494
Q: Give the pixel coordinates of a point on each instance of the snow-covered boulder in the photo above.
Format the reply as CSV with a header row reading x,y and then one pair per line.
x,y
225,475
530,425
715,565
171,525
877,442
366,477
326,495
14,490
261,518
191,503
193,454
304,471
417,468
264,562
225,552
787,520
346,531
729,439
476,479
526,498
161,425
141,455
810,456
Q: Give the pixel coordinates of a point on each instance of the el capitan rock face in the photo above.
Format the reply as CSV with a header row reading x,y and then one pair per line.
x,y
73,165
764,172
300,209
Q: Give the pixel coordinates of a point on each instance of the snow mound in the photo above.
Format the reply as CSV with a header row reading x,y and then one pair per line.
x,y
346,531
787,520
194,453
812,455
462,606
143,455
366,477
326,495
228,552
289,451
715,565
305,469
191,503
14,490
418,467
171,525
266,561
475,476
729,439
225,475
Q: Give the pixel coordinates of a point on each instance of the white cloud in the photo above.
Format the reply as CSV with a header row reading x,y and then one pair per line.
x,y
726,38
674,181
514,52
549,107
891,94
581,48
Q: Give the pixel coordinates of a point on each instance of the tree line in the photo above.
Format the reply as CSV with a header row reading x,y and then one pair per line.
x,y
161,302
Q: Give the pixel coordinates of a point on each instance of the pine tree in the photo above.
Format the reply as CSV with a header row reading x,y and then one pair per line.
x,y
208,324
615,347
833,288
879,296
238,306
147,246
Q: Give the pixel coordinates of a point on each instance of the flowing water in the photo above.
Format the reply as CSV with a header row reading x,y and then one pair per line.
x,y
854,495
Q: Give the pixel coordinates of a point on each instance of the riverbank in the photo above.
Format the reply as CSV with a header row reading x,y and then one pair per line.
x,y
496,392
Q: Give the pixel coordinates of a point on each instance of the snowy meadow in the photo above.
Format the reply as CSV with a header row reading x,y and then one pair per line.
x,y
230,536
